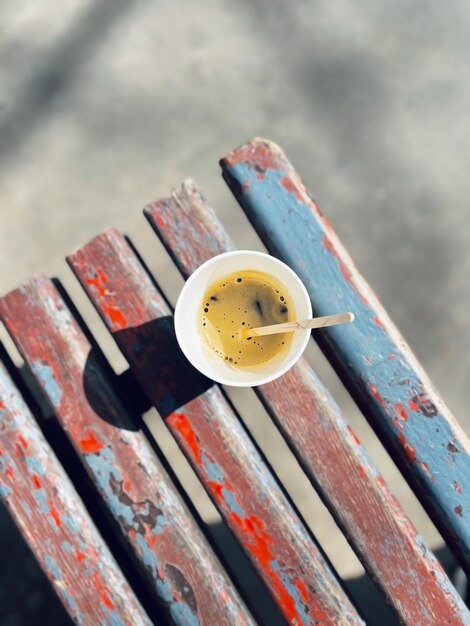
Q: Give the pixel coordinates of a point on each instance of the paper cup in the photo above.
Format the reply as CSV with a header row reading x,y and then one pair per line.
x,y
190,301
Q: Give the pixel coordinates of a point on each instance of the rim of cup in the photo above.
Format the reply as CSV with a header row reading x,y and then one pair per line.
x,y
187,325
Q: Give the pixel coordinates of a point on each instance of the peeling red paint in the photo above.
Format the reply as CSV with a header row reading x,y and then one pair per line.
x,y
22,440
425,467
378,322
181,423
457,487
381,481
342,265
101,275
159,219
413,406
11,327
36,481
117,318
260,544
399,411
91,445
41,497
96,283
216,488
410,450
2,406
344,269
54,513
354,436
362,472
374,391
260,157
193,429
292,187
138,310
103,592
324,220
302,589
79,555
418,576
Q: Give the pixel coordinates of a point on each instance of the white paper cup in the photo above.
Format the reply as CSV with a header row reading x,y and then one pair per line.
x,y
187,318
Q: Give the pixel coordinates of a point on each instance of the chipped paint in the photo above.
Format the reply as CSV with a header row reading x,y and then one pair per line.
x,y
212,438
304,411
90,444
46,506
121,463
334,284
250,529
45,374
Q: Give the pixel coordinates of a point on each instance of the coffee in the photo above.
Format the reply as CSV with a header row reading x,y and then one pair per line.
x,y
245,299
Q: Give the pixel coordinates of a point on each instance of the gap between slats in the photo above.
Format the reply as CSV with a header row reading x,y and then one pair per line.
x,y
284,463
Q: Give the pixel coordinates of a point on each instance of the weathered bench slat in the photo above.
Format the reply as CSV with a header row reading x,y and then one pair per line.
x,y
371,357
211,436
407,572
183,572
55,523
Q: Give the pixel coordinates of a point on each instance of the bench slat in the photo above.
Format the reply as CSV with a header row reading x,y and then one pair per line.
x,y
55,523
372,358
162,533
211,436
326,447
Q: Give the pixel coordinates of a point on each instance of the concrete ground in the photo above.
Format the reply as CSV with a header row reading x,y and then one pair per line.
x,y
107,105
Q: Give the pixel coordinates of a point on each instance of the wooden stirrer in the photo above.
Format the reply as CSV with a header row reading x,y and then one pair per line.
x,y
288,327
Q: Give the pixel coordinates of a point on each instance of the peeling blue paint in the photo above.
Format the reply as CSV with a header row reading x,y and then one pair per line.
x,y
38,459
45,375
106,474
302,609
35,466
115,620
5,491
182,614
71,523
54,571
215,474
41,499
52,567
71,603
26,509
67,546
291,232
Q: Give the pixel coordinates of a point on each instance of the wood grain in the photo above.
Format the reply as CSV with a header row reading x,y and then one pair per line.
x,y
376,526
181,570
210,434
371,357
55,523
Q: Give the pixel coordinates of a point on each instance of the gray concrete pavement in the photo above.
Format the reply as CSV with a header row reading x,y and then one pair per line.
x,y
106,106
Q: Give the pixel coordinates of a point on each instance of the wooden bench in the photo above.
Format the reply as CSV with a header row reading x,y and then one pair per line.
x,y
184,580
